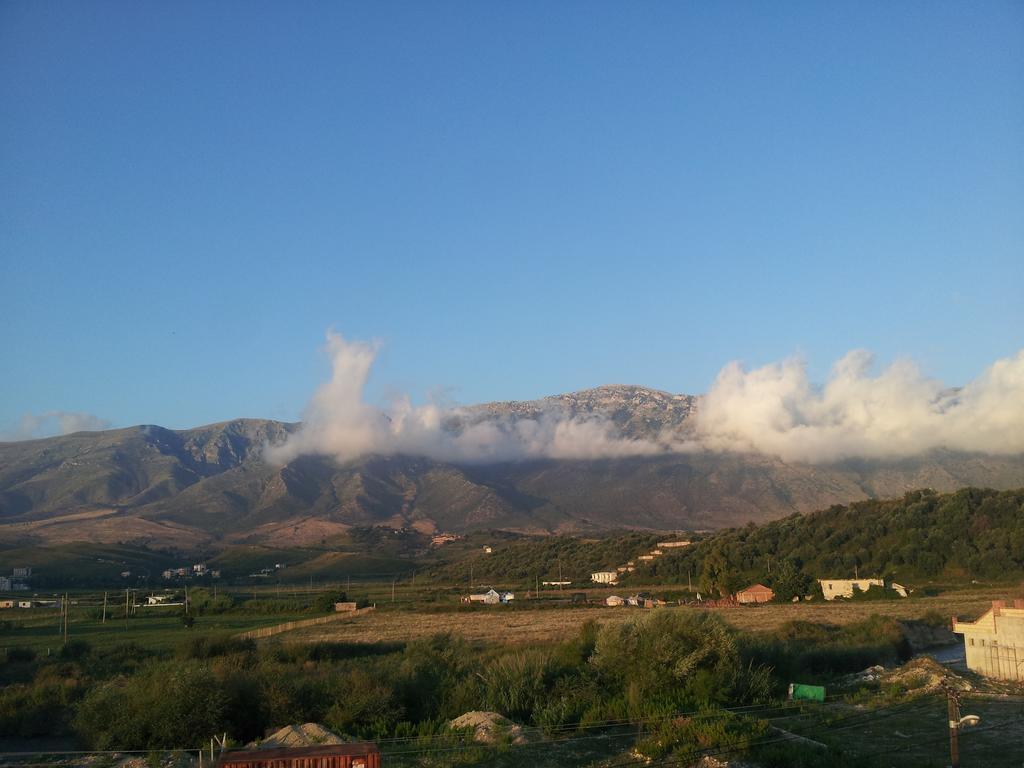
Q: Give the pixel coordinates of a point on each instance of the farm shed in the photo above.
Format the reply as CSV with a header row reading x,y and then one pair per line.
x,y
614,600
755,593
355,755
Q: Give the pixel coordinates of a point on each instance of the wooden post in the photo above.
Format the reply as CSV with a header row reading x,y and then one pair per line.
x,y
953,709
104,608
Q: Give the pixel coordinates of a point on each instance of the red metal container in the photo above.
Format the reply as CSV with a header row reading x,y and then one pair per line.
x,y
356,755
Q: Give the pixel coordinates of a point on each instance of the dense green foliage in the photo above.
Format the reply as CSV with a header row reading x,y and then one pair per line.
x,y
672,670
973,532
524,560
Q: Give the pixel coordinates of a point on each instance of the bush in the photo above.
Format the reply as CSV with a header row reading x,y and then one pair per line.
x,y
19,654
167,705
209,646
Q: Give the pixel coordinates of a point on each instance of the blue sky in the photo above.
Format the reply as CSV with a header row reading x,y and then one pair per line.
x,y
516,199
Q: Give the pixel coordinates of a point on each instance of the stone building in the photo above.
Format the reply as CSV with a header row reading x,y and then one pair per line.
x,y
833,588
994,643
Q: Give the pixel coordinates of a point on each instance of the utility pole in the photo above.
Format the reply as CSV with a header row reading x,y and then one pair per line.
x,y
470,577
104,607
67,609
393,589
953,709
689,586
126,609
559,574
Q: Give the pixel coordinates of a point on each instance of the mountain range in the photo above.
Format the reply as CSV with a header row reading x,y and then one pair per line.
x,y
210,485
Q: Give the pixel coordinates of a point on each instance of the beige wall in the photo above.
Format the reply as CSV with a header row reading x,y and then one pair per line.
x,y
994,644
833,588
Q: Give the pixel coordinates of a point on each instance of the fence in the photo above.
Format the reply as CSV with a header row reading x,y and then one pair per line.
x,y
288,626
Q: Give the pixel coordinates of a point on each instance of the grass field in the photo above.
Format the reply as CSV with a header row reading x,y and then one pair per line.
x,y
159,631
521,624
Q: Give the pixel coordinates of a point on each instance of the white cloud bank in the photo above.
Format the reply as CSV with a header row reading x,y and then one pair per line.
x,y
774,410
34,425
337,422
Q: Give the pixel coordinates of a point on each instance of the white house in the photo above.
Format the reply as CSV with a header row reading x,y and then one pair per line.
x,y
833,588
614,601
604,577
672,544
994,643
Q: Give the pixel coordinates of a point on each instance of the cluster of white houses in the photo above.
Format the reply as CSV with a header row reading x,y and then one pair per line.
x,y
612,577
17,581
199,569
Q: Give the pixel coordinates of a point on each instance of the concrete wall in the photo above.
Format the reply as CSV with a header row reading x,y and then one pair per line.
x,y
833,588
994,644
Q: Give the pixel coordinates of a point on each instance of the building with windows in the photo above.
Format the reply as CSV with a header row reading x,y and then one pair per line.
x,y
994,642
604,577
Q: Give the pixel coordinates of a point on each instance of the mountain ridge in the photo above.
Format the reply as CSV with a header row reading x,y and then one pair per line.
x,y
210,483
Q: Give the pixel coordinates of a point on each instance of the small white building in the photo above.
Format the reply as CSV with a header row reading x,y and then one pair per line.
x,y
604,577
672,544
833,588
614,601
490,597
158,599
994,643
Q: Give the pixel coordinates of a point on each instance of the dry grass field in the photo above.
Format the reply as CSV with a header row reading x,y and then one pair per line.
x,y
521,625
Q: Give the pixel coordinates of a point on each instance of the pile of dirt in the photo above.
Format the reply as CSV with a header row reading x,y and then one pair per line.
x,y
490,728
924,675
305,735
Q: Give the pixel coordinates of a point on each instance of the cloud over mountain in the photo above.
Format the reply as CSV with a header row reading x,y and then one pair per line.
x,y
34,425
774,410
900,412
338,422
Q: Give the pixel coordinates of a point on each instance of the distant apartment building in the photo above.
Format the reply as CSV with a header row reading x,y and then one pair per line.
x,y
672,544
6,585
604,577
994,643
833,588
22,573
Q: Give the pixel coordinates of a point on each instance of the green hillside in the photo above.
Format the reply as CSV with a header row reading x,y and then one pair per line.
x,y
970,533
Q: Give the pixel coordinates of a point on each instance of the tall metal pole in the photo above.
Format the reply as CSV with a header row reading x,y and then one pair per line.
x,y
953,708
104,607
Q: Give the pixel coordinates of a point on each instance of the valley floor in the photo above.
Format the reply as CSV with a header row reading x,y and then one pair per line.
x,y
521,624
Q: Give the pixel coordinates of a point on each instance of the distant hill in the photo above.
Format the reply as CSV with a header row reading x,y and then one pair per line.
x,y
923,535
209,486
